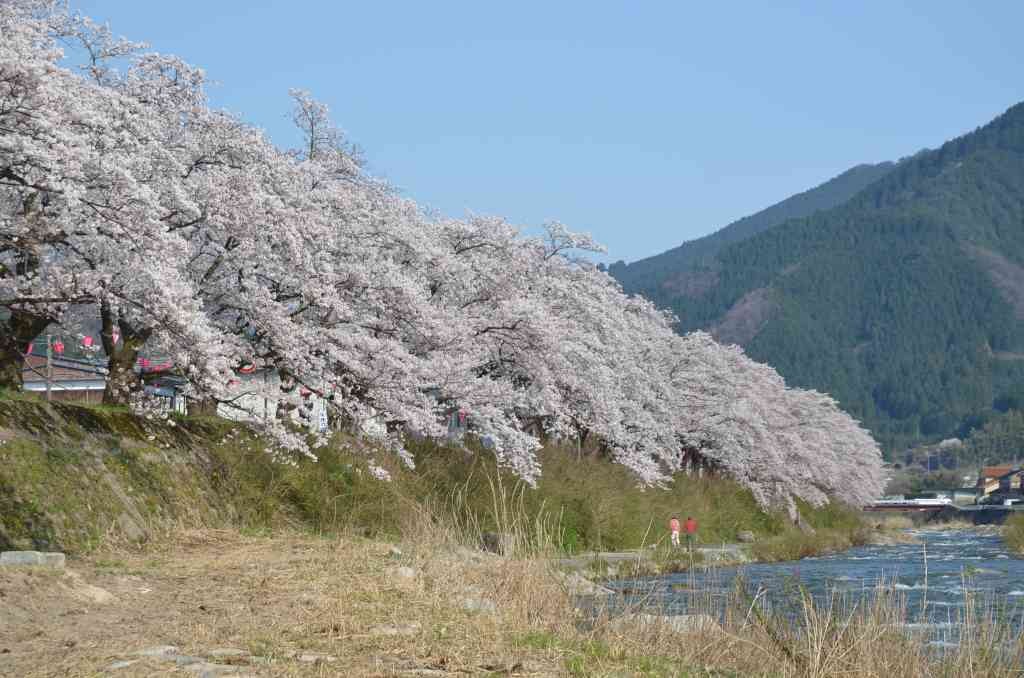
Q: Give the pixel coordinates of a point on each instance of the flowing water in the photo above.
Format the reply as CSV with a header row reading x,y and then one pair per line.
x,y
935,578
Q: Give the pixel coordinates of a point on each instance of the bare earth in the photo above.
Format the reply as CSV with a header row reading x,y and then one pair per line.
x,y
293,606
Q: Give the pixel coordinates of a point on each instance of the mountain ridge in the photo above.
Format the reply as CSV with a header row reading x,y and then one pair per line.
x,y
905,301
642,275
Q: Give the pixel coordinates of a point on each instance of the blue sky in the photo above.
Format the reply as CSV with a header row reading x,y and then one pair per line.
x,y
646,123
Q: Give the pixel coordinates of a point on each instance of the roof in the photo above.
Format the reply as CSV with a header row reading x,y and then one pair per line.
x,y
996,471
63,369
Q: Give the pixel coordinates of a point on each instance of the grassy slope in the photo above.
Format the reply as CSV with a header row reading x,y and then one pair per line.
x,y
71,477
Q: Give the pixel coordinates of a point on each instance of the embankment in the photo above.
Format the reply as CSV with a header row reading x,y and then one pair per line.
x,y
71,477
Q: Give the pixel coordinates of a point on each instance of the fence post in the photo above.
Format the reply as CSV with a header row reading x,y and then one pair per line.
x,y
49,366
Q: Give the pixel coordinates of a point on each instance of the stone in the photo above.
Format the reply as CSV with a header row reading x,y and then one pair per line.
x,y
410,629
496,542
479,605
227,653
395,552
160,652
130,528
578,585
680,623
32,559
186,660
314,658
402,572
208,670
123,664
746,536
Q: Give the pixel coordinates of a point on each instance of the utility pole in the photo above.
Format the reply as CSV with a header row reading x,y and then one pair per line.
x,y
49,366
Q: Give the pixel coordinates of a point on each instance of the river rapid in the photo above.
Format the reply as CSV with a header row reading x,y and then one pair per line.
x,y
944,577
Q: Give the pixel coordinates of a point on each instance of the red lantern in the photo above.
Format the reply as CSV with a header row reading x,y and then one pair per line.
x,y
114,337
247,369
143,363
28,351
58,346
87,342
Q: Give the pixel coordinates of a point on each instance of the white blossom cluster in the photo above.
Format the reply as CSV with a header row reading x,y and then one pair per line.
x,y
124,190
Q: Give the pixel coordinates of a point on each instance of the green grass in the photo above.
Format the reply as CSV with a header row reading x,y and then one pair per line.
x,y
590,657
205,471
1013,532
795,544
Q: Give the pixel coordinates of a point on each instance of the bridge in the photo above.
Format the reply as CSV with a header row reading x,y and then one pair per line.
x,y
907,508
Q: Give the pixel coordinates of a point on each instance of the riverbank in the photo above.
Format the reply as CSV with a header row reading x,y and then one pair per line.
x,y
285,604
185,535
74,477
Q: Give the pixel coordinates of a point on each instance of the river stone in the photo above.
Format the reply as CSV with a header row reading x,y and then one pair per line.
x,y
746,536
207,670
578,585
32,559
496,542
160,651
479,605
122,664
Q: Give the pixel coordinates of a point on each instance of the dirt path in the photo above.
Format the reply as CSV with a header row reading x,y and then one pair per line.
x,y
215,604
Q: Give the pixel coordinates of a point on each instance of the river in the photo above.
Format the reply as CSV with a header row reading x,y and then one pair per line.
x,y
937,579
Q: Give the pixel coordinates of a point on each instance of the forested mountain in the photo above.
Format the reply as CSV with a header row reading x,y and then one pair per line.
x,y
905,302
654,276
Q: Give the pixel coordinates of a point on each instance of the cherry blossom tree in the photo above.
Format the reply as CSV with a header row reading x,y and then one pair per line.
x,y
186,228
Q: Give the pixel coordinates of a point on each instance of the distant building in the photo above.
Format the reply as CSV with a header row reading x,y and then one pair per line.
x,y
965,495
71,380
988,478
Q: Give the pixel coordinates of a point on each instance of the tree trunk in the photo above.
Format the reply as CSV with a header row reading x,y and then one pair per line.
x,y
18,331
122,380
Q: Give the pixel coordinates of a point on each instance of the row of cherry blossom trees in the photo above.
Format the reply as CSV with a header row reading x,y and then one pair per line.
x,y
123,191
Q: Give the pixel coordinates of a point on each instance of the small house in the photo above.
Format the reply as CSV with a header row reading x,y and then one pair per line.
x,y
988,478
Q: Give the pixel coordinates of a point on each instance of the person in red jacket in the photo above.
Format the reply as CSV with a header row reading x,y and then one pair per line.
x,y
691,532
673,527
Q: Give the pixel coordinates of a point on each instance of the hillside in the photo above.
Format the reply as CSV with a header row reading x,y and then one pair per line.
x,y
905,302
658,277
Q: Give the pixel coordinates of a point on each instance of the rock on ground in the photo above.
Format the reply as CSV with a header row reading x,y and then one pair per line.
x,y
160,651
227,653
32,559
402,572
578,585
479,605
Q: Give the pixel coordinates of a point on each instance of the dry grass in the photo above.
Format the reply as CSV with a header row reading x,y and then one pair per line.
x,y
344,601
279,597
